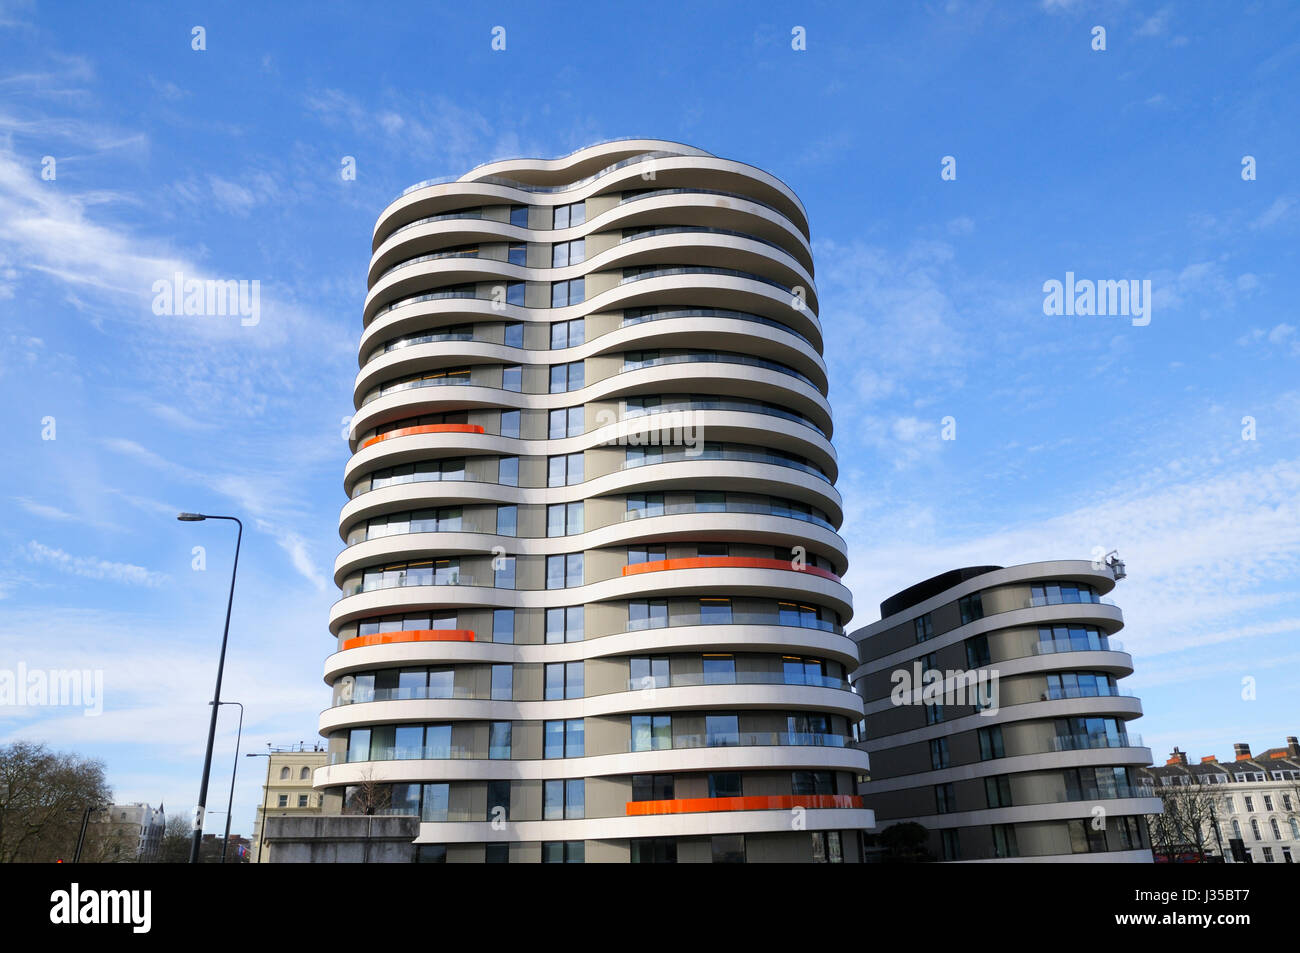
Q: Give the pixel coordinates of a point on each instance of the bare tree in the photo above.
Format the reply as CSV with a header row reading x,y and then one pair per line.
x,y
44,796
1187,818
369,796
175,847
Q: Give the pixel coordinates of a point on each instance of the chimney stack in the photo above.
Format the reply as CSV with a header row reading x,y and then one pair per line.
x,y
1177,757
1292,747
1241,751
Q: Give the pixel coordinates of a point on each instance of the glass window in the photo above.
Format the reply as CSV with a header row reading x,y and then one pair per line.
x,y
507,520
508,471
514,334
645,672
938,753
512,378
719,669
990,743
645,504
812,782
728,848
442,683
724,784
715,611
515,293
517,254
710,502
510,423
654,850
430,853
652,787
553,800
971,608
498,801
519,216
924,627
503,575
436,800
503,625
574,737
652,732
563,852
944,798
564,469
503,682
554,572
564,624
575,798
1004,841
499,740
721,730
997,790
359,744
552,734
647,614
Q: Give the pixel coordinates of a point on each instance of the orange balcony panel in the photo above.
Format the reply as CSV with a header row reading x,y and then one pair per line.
x,y
425,428
724,562
410,635
781,802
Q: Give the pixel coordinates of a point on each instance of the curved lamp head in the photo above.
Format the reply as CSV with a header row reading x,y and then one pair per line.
x,y
190,517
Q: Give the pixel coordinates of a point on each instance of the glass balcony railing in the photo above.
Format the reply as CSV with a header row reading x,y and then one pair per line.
x,y
743,739
696,229
399,580
713,357
412,753
675,455
657,193
667,271
1056,646
1082,742
721,403
756,509
1057,694
437,337
736,618
698,679
469,214
443,381
636,317
464,293
527,187
691,680
748,739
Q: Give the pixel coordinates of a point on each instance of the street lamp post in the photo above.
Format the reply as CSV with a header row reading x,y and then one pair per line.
x,y
81,838
233,771
261,833
216,694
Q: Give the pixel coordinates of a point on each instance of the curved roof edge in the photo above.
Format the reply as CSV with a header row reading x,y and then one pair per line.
x,y
916,594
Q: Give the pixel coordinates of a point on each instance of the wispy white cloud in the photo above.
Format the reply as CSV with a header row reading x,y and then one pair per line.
x,y
92,567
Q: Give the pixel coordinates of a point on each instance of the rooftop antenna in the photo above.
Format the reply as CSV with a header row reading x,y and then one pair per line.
x,y
1115,564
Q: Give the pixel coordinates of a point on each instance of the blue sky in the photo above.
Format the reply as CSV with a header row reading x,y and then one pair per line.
x,y
1072,432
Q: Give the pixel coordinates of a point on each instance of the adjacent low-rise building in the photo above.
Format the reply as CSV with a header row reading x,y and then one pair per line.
x,y
288,790
136,830
1255,799
995,718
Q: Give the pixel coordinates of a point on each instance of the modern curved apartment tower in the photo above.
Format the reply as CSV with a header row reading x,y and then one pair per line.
x,y
591,603
1023,751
